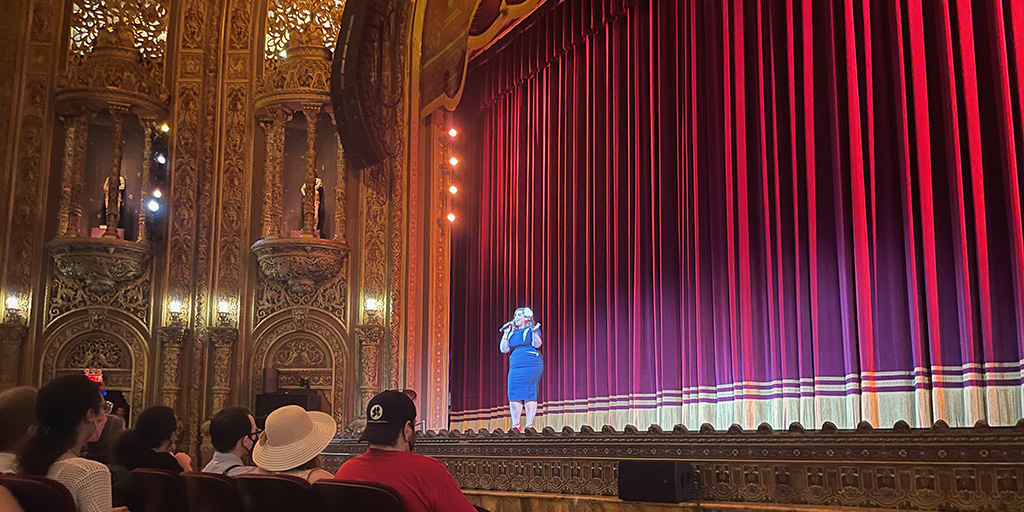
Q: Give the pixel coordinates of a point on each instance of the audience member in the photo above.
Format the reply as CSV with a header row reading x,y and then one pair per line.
x,y
71,412
233,433
292,441
103,449
18,410
7,501
423,482
151,443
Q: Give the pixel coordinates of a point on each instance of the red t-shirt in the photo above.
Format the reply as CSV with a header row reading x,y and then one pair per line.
x,y
424,482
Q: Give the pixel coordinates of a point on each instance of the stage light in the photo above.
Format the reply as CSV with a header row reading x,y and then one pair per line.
x,y
157,193
165,127
453,190
454,161
453,132
451,217
13,303
153,205
161,159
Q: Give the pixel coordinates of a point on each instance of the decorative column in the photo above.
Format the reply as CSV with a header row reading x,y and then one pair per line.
x,y
273,125
76,130
13,333
370,337
172,338
117,113
223,340
340,219
312,113
148,125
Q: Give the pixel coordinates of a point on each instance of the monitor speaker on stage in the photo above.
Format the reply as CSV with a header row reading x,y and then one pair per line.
x,y
662,481
270,376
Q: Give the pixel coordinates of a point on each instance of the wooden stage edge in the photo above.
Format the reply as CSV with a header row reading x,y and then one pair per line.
x,y
497,501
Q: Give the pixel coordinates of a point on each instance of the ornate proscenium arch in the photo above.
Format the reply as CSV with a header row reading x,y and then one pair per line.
x,y
362,89
307,343
104,339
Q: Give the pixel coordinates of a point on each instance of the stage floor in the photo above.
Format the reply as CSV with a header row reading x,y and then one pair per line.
x,y
497,501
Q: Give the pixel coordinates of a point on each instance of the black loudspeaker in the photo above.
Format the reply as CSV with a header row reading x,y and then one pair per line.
x,y
662,481
354,91
270,376
267,403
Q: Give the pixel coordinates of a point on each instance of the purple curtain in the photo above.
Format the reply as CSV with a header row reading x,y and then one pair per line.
x,y
747,211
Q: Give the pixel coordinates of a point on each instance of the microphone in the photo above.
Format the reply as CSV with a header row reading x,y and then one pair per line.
x,y
503,327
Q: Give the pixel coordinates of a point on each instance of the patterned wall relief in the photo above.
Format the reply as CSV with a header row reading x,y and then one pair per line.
x,y
104,339
287,16
148,20
331,297
304,343
64,296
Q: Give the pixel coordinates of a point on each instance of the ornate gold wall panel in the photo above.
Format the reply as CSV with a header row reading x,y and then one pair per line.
x,y
967,469
302,342
147,19
13,32
105,339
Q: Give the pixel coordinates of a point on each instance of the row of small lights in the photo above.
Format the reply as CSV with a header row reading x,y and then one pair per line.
x,y
153,204
454,161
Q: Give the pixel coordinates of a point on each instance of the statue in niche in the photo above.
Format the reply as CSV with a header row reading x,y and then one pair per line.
x,y
318,207
120,203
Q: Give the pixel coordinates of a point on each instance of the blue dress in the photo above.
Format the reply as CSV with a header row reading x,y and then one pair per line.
x,y
525,366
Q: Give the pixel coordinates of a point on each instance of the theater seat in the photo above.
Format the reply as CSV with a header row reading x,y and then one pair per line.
x,y
38,494
158,490
357,496
208,492
274,493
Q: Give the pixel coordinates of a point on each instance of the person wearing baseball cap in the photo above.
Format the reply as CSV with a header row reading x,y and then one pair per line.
x,y
424,483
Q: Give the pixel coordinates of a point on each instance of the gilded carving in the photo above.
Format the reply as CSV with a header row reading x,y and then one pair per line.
x,y
330,297
12,337
100,265
299,353
370,337
223,340
285,17
303,264
172,339
99,337
281,330
273,123
147,20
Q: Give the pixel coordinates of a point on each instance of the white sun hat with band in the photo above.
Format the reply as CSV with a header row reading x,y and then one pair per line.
x,y
292,437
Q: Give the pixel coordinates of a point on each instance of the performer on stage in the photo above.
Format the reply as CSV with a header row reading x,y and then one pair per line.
x,y
525,364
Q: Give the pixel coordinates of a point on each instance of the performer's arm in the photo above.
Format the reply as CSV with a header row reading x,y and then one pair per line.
x,y
503,346
537,342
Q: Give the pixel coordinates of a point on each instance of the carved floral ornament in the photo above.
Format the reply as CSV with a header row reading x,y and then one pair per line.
x,y
99,264
113,73
286,16
300,79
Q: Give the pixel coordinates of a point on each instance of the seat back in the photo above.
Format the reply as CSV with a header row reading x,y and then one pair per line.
x,y
274,493
358,496
38,494
158,490
209,492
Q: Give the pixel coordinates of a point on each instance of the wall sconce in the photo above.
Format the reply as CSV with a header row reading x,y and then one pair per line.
x,y
174,309
372,311
225,313
13,307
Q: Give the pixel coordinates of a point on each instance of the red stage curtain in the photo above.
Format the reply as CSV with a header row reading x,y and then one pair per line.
x,y
747,211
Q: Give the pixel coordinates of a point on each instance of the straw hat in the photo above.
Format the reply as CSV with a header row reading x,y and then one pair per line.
x,y
292,438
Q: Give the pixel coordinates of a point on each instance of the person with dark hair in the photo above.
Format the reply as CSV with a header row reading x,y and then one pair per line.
x,y
18,410
151,443
102,450
424,483
233,433
71,412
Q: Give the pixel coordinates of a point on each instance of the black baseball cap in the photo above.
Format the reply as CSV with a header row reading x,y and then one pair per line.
x,y
386,415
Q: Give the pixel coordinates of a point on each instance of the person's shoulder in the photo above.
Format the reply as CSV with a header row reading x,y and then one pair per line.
x,y
84,464
426,460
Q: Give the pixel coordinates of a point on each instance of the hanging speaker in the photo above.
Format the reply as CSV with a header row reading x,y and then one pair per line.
x,y
662,481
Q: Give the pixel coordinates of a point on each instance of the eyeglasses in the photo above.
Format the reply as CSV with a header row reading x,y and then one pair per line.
x,y
255,436
108,407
